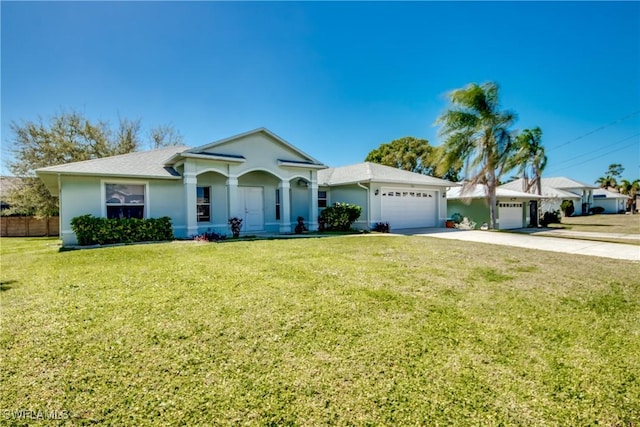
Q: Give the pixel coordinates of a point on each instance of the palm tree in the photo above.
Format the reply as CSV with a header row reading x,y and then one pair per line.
x,y
529,159
610,179
606,181
477,131
631,189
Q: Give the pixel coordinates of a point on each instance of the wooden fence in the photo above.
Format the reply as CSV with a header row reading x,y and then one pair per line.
x,y
28,226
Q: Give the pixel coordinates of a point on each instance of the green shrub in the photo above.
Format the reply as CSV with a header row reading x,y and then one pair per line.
x,y
381,227
550,218
567,207
340,216
91,230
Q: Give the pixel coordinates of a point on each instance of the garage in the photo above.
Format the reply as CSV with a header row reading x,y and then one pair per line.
x,y
510,215
409,208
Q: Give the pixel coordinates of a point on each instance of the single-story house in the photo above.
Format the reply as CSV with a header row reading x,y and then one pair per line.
x,y
555,190
403,199
610,201
514,207
256,176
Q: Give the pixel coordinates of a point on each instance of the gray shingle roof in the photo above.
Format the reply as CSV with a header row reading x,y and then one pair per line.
x,y
143,164
373,172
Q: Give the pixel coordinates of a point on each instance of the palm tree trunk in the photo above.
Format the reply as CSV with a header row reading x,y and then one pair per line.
x,y
491,189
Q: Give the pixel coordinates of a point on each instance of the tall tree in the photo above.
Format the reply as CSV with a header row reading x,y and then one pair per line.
x,y
67,137
610,179
529,159
164,136
412,154
631,189
477,131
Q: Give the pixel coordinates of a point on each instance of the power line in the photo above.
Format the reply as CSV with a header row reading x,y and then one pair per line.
x,y
606,148
635,113
635,143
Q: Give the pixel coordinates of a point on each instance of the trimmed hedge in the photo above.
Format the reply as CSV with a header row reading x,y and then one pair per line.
x,y
339,217
91,230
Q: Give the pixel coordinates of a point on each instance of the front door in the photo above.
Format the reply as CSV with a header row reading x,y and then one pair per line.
x,y
252,205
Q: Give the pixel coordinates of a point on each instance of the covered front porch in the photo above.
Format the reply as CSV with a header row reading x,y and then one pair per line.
x,y
265,202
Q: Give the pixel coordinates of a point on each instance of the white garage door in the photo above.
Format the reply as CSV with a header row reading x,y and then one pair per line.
x,y
404,208
510,215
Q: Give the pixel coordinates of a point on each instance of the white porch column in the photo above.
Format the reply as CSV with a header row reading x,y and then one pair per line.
x,y
313,209
232,198
285,207
190,182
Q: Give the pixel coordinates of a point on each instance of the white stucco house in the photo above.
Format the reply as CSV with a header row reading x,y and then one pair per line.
x,y
557,189
256,176
514,208
611,201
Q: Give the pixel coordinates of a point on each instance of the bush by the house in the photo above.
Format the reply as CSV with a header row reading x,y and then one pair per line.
x,y
209,237
381,227
236,226
90,230
567,207
550,218
596,210
457,218
340,216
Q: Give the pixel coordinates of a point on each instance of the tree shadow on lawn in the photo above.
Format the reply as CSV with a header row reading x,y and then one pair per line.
x,y
4,285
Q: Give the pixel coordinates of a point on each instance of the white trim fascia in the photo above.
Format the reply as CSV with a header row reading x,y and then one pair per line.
x,y
115,175
301,165
214,157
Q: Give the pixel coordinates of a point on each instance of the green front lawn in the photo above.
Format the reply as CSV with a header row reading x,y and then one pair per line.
x,y
354,330
611,223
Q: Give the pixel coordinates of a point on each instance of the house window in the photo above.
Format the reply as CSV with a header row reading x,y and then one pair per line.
x,y
125,200
277,204
322,199
203,204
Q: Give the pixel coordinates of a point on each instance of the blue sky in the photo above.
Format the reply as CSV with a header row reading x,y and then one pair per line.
x,y
335,79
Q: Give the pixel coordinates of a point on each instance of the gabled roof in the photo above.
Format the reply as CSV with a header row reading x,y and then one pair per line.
x,y
374,172
562,182
601,193
140,164
209,149
552,188
480,191
548,192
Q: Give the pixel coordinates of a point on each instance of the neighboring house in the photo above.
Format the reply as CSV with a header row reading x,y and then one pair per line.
x,y
256,176
514,207
610,201
557,189
403,199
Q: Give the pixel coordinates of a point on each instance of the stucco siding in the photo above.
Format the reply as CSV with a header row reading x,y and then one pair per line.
x,y
354,195
260,151
477,211
610,205
82,196
166,198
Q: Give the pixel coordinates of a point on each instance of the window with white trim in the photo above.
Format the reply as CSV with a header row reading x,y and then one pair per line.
x,y
125,200
322,199
203,204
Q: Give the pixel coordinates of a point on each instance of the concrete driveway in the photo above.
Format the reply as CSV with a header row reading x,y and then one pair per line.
x,y
553,244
